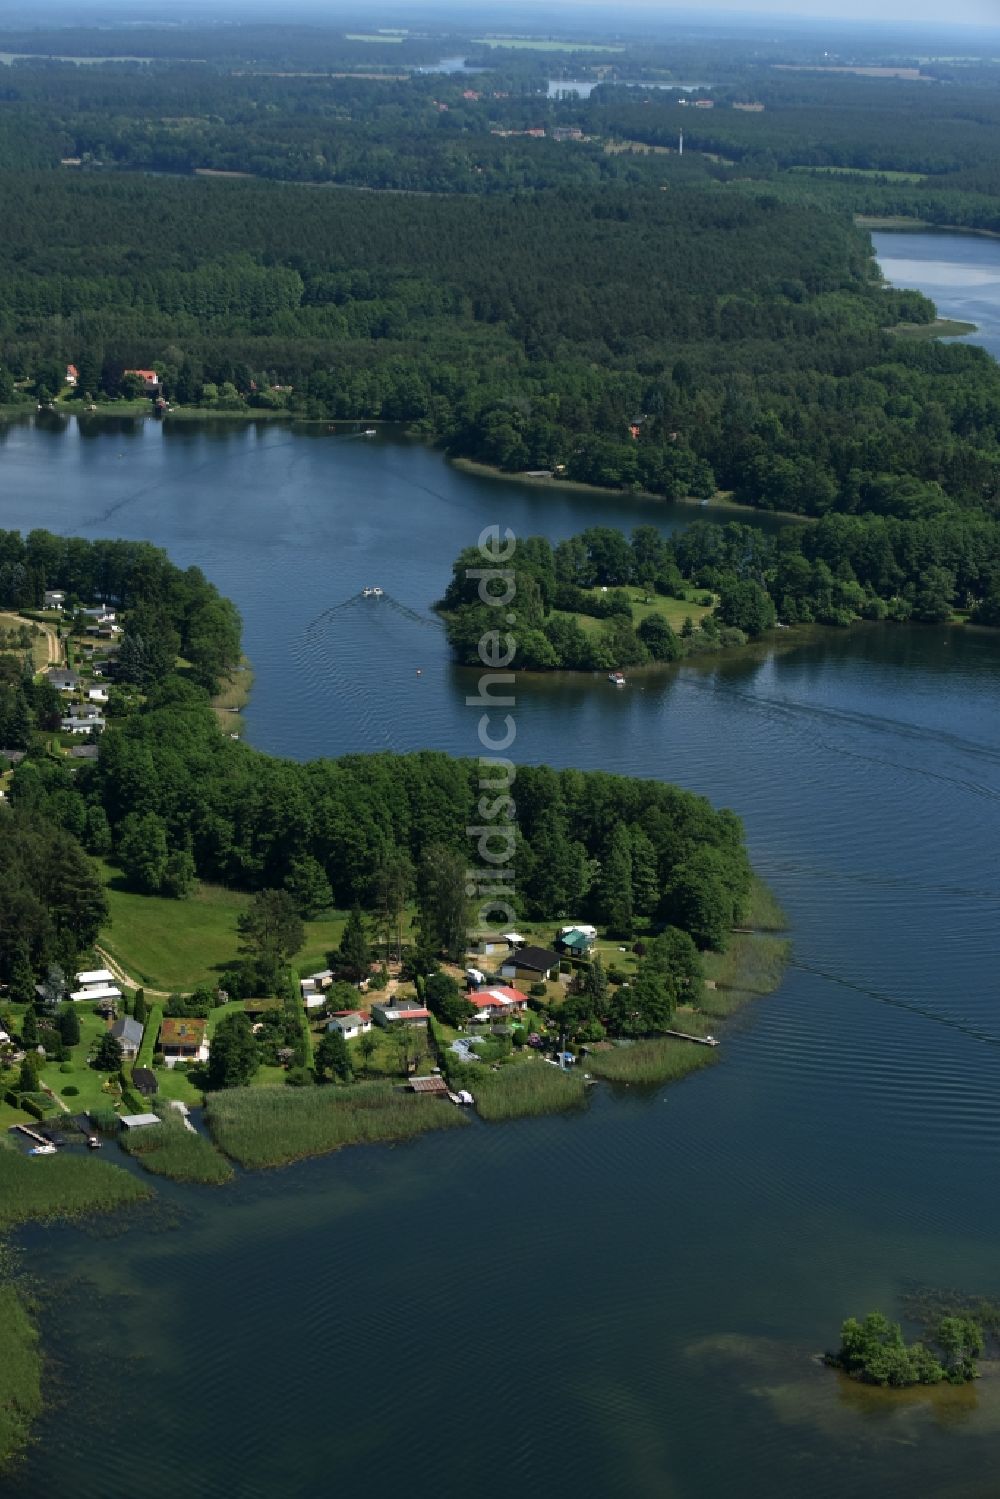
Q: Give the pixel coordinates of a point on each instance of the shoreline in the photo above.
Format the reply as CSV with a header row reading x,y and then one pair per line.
x,y
719,501
752,968
899,224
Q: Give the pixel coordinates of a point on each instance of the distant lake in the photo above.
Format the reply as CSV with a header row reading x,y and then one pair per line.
x,y
961,272
585,86
449,65
627,1301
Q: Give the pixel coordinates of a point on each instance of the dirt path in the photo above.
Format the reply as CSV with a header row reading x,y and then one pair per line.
x,y
123,978
53,645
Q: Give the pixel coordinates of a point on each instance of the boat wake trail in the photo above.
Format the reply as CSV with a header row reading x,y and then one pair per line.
x,y
962,1026
101,517
384,600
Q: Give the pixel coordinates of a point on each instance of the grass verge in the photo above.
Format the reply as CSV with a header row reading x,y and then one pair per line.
x,y
273,1126
170,1149
62,1186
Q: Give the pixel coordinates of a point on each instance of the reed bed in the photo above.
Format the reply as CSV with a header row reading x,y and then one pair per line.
x,y
752,966
524,1089
271,1126
172,1150
20,1374
62,1186
648,1063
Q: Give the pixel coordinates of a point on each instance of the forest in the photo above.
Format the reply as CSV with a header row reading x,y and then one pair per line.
x,y
170,789
581,299
677,343
842,569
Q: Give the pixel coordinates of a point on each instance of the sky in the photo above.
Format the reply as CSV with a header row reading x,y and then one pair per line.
x,y
920,15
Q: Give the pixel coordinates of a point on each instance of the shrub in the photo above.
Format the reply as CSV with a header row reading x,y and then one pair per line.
x,y
66,1067
538,991
70,1091
299,1077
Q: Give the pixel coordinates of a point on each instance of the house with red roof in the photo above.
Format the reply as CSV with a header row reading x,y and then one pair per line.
x,y
72,374
149,378
498,1002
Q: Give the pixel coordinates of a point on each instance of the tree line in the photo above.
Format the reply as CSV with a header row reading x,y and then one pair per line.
x,y
168,612
834,572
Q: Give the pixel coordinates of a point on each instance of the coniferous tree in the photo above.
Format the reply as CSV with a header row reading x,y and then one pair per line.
x,y
108,1056
614,889
353,957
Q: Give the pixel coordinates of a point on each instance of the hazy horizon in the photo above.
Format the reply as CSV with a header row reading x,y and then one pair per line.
x,y
540,15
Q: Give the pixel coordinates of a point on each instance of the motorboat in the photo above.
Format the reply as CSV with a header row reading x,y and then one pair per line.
x,y
618,677
371,593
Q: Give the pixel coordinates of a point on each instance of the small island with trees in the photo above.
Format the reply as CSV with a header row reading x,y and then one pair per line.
x,y
874,1351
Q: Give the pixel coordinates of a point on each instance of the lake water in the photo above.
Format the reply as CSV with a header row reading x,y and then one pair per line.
x,y
624,1301
961,272
586,86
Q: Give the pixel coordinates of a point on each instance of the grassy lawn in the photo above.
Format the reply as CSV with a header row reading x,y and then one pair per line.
x,y
179,944
674,611
172,1082
863,172
942,327
39,644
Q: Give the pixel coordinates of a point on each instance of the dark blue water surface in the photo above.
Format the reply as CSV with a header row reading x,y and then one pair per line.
x,y
628,1300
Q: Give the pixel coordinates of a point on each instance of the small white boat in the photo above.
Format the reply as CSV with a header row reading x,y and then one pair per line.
x,y
42,1150
618,677
371,593
370,432
464,1096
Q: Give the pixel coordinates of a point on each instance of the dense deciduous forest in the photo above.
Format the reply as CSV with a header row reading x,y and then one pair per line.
x,y
169,784
842,569
746,339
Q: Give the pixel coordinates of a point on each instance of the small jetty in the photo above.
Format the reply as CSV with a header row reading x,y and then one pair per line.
x,y
686,1036
32,1134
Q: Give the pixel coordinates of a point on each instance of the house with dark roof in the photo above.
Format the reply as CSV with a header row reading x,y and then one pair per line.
x,y
144,1081
391,1012
62,678
533,963
128,1033
349,1024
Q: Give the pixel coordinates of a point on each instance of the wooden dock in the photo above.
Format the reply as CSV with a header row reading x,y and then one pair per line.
x,y
686,1036
32,1134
